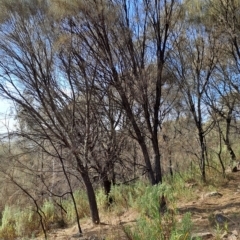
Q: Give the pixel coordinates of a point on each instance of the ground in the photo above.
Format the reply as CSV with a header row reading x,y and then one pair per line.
x,y
225,199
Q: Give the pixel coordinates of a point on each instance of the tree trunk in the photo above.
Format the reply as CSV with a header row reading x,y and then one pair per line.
x,y
203,156
137,130
170,163
227,140
91,198
107,186
90,192
149,169
157,159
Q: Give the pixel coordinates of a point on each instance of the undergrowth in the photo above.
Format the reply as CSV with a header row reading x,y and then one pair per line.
x,y
139,196
154,224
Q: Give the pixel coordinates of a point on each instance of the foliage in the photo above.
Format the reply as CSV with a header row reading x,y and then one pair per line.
x,y
153,224
82,206
18,222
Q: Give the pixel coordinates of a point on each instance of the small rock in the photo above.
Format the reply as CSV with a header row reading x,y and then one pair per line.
x,y
206,235
220,218
190,185
93,238
213,194
77,235
232,237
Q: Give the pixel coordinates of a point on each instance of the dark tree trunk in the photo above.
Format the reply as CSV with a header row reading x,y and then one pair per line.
x,y
158,170
203,153
107,186
107,189
170,163
91,198
137,130
90,192
227,140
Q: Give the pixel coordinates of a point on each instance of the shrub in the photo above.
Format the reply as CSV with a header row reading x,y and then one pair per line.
x,y
82,206
151,224
17,222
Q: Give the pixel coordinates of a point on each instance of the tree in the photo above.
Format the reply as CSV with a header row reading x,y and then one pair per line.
x,y
193,62
29,65
130,40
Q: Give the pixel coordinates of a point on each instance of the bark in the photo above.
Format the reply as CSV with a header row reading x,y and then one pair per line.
x,y
91,198
90,192
107,189
140,137
226,139
203,154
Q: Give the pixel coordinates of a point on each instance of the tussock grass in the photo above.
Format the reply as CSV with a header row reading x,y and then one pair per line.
x,y
18,222
139,196
154,225
82,207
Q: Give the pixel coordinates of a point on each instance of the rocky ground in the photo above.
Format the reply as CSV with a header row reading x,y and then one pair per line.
x,y
210,207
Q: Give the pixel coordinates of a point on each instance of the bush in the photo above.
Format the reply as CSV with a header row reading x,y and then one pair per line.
x,y
17,222
151,224
82,206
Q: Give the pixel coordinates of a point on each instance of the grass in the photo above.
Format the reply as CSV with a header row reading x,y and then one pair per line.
x,y
152,224
82,207
139,196
18,222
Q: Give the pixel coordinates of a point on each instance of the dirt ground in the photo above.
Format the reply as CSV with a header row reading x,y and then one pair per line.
x,y
225,200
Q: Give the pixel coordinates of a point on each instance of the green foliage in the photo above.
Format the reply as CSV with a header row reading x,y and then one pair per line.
x,y
182,184
50,212
183,230
82,206
124,196
7,229
101,199
121,194
18,222
26,221
148,203
151,224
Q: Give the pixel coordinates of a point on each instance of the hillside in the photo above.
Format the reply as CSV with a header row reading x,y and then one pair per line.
x,y
209,206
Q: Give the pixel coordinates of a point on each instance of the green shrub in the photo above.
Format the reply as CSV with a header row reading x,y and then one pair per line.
x,y
17,222
101,199
154,226
50,213
82,206
7,229
26,222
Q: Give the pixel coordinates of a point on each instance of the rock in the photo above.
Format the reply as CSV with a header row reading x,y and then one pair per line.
x,y
190,185
94,238
235,232
232,237
81,237
203,236
213,194
220,218
77,235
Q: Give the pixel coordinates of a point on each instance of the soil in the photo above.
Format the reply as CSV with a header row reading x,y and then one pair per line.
x,y
205,206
